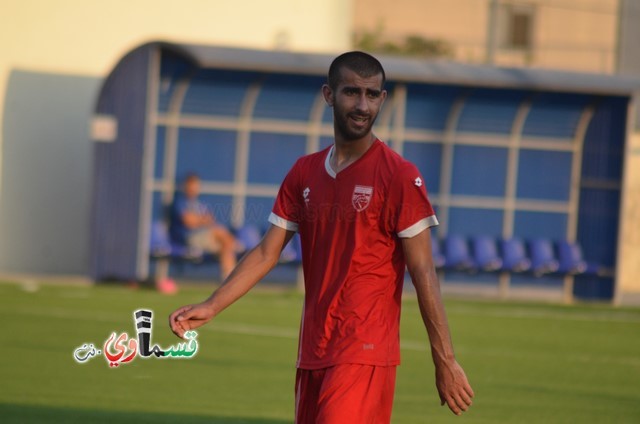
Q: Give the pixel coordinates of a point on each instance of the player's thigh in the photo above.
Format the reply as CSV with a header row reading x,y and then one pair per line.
x,y
307,390
356,394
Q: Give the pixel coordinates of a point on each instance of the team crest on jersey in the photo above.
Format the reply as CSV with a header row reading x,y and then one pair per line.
x,y
361,197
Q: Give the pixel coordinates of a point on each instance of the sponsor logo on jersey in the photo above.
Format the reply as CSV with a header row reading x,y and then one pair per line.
x,y
361,197
418,182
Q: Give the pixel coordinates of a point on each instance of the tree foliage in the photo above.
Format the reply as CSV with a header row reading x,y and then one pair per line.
x,y
411,45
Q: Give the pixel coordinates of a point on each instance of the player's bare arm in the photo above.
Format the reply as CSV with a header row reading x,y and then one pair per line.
x,y
251,269
451,381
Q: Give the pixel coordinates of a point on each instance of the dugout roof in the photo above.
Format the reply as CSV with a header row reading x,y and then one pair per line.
x,y
414,70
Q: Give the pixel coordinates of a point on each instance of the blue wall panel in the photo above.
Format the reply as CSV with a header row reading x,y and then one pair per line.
x,y
272,155
209,153
219,206
428,158
599,220
118,171
547,280
555,115
593,287
473,221
218,93
479,171
159,211
551,225
428,106
325,142
604,142
327,115
257,211
544,175
600,194
288,97
490,111
158,163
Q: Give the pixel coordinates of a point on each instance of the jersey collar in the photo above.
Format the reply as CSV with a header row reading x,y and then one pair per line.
x,y
327,163
327,159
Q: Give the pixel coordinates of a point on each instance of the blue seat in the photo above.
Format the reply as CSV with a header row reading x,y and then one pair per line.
x,y
292,251
248,236
570,258
514,255
436,253
485,253
160,245
543,259
456,253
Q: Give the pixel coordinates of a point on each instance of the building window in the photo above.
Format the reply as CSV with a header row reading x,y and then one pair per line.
x,y
517,26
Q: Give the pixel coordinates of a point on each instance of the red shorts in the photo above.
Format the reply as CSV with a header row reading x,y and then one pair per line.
x,y
348,393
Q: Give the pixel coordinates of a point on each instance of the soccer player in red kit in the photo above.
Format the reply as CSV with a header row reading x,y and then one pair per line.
x,y
363,214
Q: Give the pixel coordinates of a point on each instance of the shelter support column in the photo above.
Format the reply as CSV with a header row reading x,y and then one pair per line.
x,y
627,286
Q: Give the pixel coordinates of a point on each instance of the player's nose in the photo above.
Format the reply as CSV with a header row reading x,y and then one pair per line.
x,y
362,105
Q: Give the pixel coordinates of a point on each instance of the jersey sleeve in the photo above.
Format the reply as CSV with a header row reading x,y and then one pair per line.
x,y
287,209
410,211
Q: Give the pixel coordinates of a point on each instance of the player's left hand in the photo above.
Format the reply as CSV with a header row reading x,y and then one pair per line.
x,y
453,387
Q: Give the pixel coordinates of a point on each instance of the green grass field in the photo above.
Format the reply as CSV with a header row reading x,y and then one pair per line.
x,y
528,363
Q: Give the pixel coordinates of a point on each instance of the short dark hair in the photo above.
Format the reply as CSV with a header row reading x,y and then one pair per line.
x,y
359,62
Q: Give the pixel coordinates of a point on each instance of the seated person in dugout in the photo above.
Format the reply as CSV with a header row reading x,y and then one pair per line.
x,y
193,225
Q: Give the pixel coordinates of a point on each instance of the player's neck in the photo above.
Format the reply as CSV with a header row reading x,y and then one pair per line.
x,y
347,152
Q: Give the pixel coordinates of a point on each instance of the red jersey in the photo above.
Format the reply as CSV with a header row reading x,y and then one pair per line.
x,y
350,226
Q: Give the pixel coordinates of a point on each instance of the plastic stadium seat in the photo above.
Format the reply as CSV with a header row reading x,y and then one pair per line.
x,y
436,253
292,252
248,236
570,258
485,253
456,253
543,260
159,246
514,255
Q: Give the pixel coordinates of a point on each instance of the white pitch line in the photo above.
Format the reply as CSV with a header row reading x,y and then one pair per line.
x,y
596,316
286,333
75,315
416,346
252,330
291,334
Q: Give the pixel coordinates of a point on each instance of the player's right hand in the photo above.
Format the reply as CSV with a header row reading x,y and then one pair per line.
x,y
189,317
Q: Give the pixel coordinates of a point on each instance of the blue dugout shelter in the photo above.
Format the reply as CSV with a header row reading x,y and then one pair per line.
x,y
506,153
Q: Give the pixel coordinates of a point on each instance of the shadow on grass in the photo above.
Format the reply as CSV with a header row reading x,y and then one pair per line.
x,y
20,413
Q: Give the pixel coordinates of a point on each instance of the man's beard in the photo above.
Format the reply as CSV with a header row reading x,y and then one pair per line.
x,y
344,126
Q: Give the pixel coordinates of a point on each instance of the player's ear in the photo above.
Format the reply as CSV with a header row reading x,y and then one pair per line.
x,y
327,93
383,96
